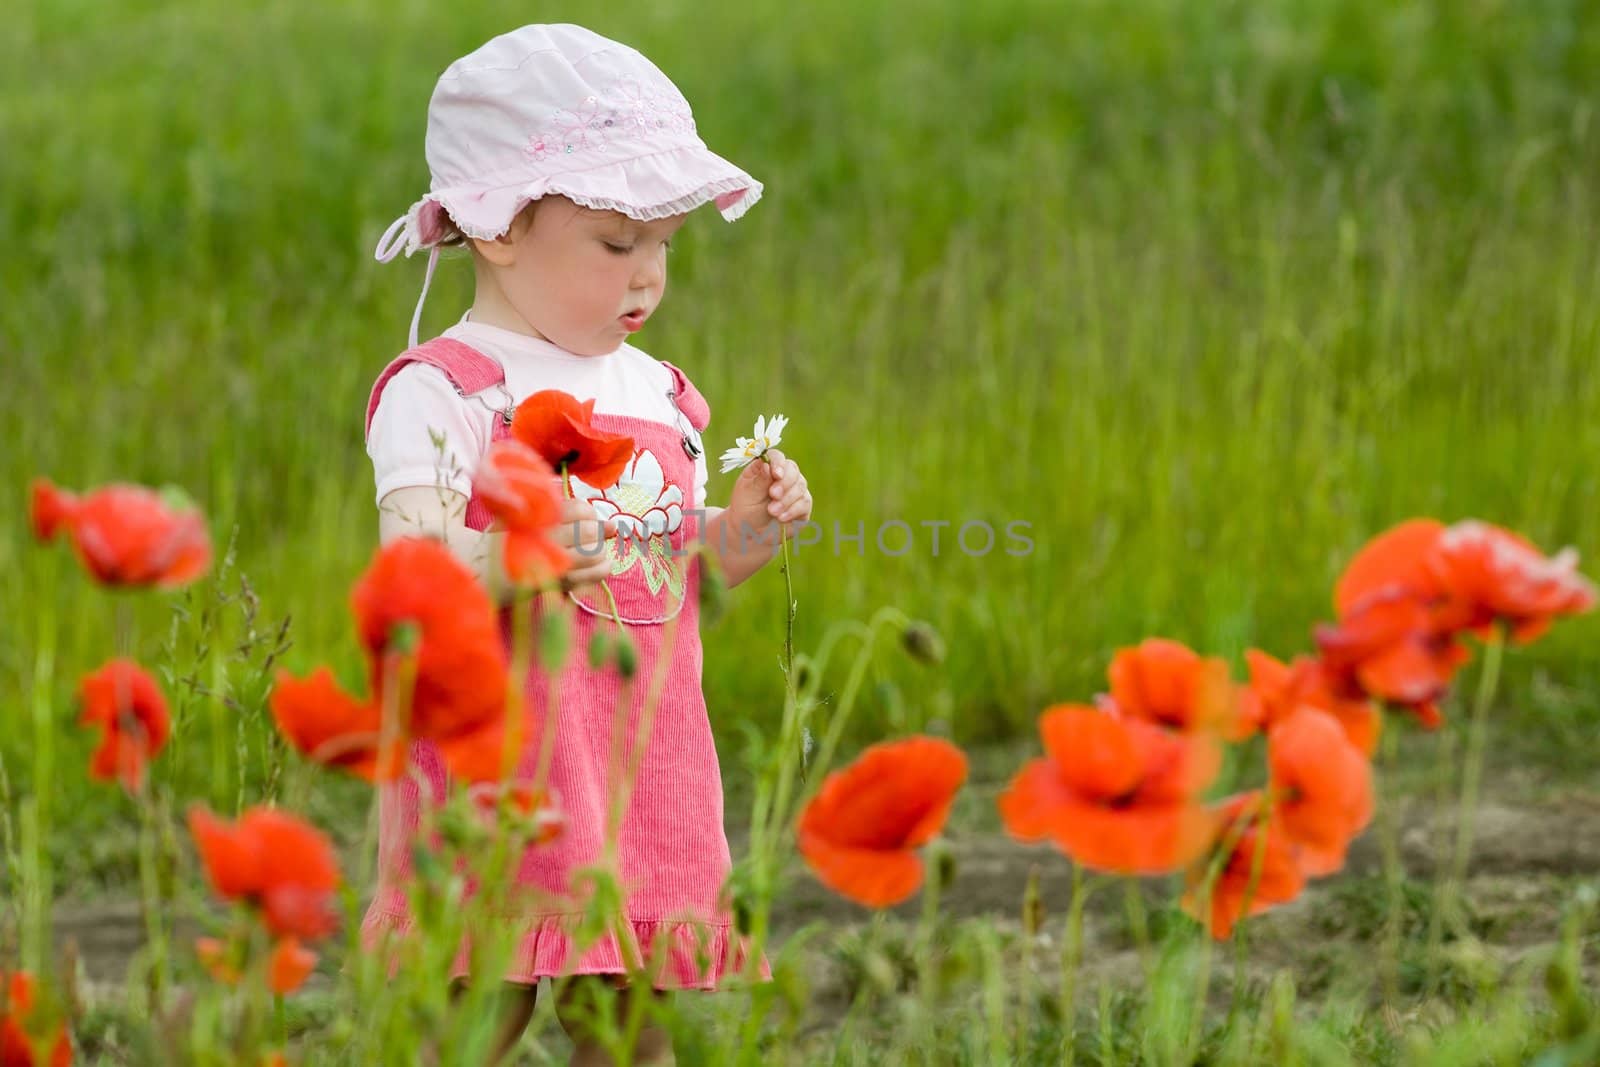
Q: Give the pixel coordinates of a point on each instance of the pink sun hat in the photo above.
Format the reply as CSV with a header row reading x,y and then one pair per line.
x,y
558,109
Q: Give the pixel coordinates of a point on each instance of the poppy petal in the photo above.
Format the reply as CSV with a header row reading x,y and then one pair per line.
x,y
874,877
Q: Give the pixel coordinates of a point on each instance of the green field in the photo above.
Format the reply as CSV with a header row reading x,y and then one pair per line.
x,y
1207,293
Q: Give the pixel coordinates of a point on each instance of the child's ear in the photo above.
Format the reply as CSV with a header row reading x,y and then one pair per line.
x,y
500,251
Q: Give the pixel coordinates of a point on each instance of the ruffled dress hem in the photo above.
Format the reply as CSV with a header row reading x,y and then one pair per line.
x,y
679,954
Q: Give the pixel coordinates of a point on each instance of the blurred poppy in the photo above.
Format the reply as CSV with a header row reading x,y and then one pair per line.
x,y
1396,559
1322,787
1116,794
521,491
23,1041
1391,646
126,704
289,966
1282,688
126,535
216,956
859,833
1261,868
535,813
417,600
330,726
275,862
1493,575
1172,685
562,431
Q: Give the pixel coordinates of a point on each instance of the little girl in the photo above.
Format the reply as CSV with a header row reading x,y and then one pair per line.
x,y
565,162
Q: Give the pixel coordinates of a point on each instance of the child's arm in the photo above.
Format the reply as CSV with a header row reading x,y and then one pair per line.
x,y
429,511
745,533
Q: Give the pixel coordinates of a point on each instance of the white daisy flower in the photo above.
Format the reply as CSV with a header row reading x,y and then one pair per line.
x,y
767,435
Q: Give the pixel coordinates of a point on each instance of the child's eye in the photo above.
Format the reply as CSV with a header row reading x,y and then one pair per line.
x,y
620,250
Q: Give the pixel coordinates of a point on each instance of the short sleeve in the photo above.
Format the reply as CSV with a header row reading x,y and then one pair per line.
x,y
700,478
418,405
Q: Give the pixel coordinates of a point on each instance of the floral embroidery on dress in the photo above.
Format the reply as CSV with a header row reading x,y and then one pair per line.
x,y
648,510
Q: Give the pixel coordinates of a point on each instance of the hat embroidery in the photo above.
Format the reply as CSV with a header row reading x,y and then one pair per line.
x,y
624,110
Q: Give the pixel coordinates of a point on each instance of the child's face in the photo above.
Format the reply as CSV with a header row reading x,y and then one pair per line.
x,y
580,278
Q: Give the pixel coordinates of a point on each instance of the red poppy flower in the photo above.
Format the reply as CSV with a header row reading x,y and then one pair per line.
x,y
126,535
859,833
1322,787
535,811
1261,870
331,726
520,490
22,1044
1283,688
1172,685
289,966
272,861
1391,646
562,431
1115,793
418,601
127,705
1490,574
1395,559
216,956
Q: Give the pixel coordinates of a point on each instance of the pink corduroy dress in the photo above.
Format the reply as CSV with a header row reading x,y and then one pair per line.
x,y
673,851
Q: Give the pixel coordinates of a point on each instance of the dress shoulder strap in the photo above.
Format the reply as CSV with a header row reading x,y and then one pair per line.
x,y
688,398
469,370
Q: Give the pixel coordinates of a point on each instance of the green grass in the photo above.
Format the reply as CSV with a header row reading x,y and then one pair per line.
x,y
1206,293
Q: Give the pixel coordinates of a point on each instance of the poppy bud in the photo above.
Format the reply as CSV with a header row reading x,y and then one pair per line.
x,y
1032,905
555,640
713,593
405,638
627,657
923,643
599,650
944,868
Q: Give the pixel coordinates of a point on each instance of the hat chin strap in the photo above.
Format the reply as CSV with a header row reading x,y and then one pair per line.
x,y
389,246
427,279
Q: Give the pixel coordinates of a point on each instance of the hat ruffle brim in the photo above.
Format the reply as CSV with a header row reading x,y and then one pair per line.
x,y
657,186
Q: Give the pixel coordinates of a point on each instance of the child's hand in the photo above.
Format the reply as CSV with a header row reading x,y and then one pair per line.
x,y
583,535
770,491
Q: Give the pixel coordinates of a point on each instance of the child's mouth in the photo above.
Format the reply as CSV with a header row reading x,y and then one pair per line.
x,y
632,320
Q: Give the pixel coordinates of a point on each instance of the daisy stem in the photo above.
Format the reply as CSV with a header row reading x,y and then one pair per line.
x,y
789,606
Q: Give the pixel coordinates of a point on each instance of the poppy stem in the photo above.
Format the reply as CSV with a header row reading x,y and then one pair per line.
x,y
1448,893
1138,924
1241,944
1394,873
1071,958
150,897
1477,740
616,616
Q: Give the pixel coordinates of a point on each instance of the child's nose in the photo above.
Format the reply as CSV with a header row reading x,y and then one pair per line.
x,y
651,273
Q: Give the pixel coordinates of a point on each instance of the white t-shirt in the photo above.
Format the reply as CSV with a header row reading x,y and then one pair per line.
x,y
420,399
